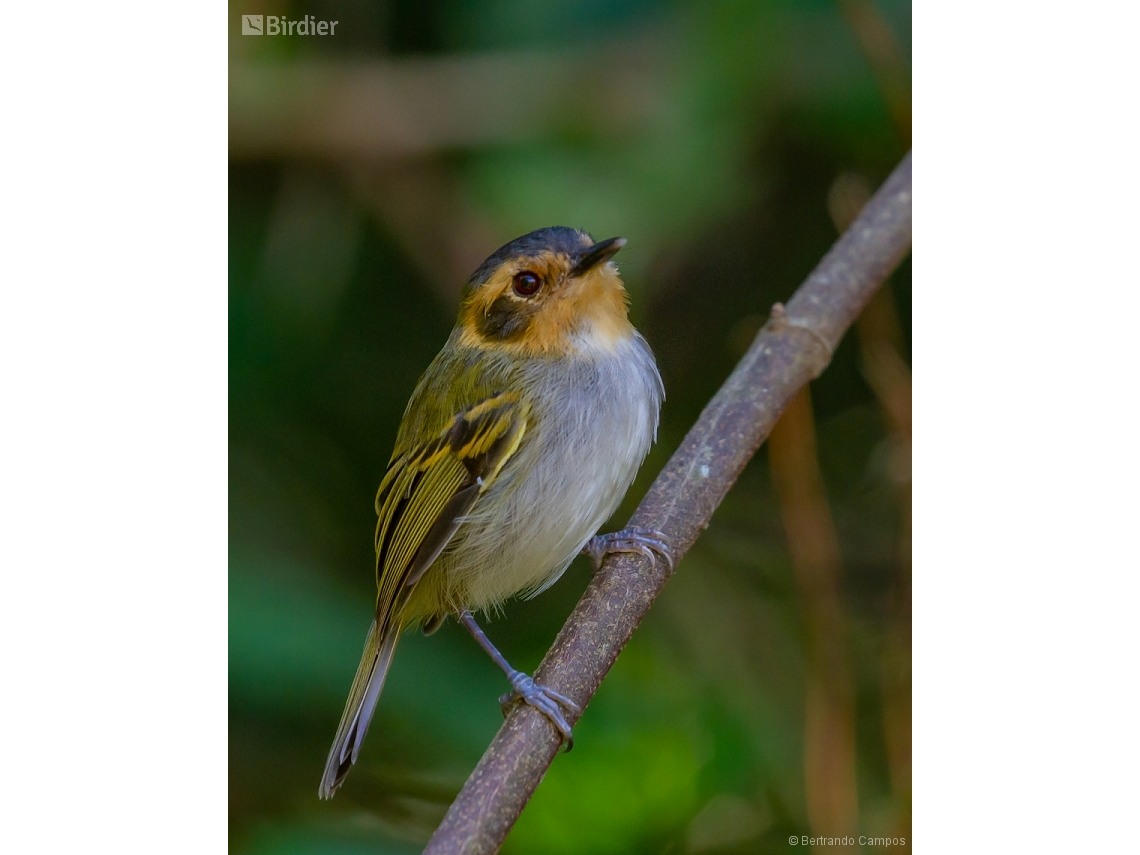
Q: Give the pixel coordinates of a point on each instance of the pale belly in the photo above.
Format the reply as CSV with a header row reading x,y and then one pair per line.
x,y
592,427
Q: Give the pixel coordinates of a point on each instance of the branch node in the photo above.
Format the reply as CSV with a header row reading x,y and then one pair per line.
x,y
778,321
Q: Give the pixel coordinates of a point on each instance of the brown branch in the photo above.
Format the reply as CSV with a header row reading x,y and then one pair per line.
x,y
421,105
792,348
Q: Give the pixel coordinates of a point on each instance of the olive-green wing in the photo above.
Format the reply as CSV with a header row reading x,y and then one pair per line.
x,y
428,488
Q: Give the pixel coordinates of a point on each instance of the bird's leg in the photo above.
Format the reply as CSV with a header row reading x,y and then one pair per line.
x,y
645,541
542,698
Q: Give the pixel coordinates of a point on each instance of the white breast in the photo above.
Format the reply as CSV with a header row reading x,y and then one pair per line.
x,y
593,420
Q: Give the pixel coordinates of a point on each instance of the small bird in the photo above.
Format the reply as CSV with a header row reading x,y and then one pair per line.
x,y
519,441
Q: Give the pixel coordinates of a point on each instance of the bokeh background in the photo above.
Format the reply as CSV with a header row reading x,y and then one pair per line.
x,y
767,694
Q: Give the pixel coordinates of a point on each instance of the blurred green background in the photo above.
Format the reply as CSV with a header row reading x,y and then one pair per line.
x,y
767,694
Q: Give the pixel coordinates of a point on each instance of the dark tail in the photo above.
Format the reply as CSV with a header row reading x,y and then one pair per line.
x,y
378,650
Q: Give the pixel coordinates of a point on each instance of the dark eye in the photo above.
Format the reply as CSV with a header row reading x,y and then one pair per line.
x,y
526,283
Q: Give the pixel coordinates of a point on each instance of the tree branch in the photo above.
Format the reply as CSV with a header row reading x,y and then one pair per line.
x,y
793,347
421,105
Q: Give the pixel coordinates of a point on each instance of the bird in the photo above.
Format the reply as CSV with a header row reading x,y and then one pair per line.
x,y
519,441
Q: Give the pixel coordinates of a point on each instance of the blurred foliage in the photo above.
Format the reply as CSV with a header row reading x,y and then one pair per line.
x,y
344,269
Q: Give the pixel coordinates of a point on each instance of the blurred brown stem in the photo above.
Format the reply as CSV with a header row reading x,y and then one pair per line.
x,y
879,45
881,347
792,348
880,343
829,715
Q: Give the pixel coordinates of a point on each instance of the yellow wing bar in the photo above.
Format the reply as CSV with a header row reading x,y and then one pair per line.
x,y
429,488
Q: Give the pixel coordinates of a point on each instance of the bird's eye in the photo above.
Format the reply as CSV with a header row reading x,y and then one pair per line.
x,y
526,284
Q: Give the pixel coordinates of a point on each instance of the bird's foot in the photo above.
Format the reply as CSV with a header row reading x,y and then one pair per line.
x,y
544,699
645,541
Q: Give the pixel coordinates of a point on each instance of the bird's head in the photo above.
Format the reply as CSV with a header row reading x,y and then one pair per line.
x,y
549,292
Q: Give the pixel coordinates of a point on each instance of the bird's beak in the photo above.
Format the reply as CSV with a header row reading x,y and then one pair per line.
x,y
599,253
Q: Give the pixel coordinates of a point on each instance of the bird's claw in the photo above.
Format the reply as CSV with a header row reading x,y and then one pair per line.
x,y
645,541
544,699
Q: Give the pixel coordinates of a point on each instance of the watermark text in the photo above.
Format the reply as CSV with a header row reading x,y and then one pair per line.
x,y
847,840
280,25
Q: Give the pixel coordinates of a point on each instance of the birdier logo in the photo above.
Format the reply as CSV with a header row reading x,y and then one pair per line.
x,y
274,25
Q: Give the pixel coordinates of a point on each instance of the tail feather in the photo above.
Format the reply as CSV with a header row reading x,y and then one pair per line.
x,y
378,650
